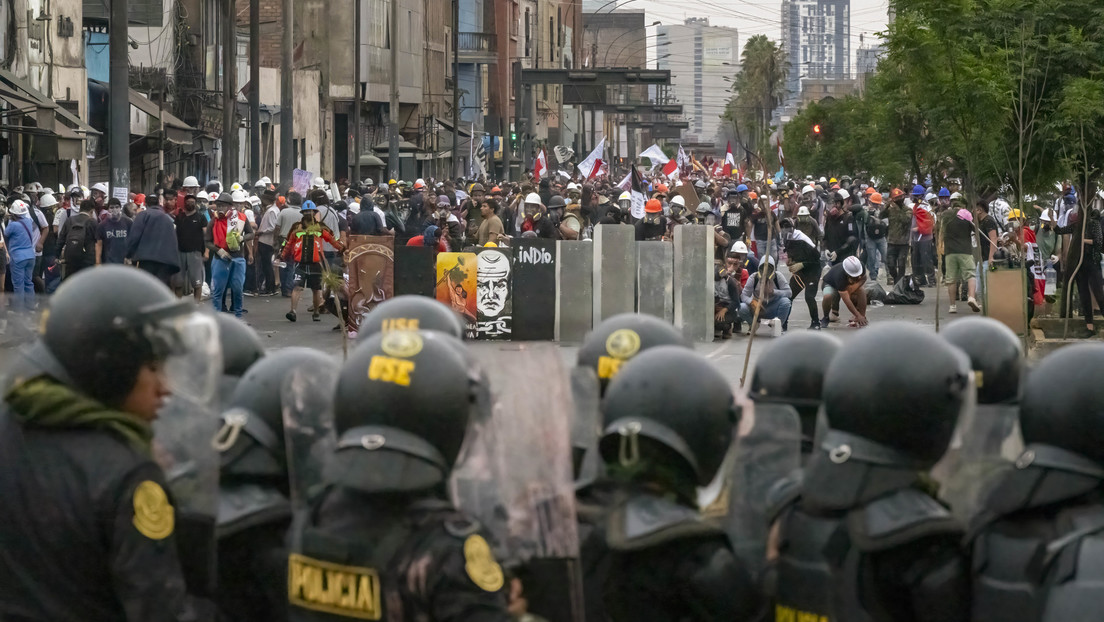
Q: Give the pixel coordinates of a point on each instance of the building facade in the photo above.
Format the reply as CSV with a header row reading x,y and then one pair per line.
x,y
817,37
699,57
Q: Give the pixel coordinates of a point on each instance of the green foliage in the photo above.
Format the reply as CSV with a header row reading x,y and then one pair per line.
x,y
993,91
757,91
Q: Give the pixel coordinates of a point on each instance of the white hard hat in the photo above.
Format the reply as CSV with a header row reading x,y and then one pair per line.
x,y
266,180
1047,215
260,184
318,182
625,196
18,207
929,196
191,182
852,266
235,187
807,189
203,196
47,200
48,190
739,247
238,196
572,186
843,194
86,192
956,195
822,180
255,201
533,198
802,211
102,187
678,200
34,186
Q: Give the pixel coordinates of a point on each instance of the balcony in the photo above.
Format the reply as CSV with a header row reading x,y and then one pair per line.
x,y
477,47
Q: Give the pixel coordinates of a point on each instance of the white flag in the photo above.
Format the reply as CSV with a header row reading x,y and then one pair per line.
x,y
655,154
540,166
592,165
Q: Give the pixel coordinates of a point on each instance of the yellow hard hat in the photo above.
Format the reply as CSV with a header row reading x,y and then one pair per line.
x,y
392,182
490,245
770,182
832,180
1015,214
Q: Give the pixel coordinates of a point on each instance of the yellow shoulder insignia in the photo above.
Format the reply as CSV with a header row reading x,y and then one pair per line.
x,y
153,516
481,565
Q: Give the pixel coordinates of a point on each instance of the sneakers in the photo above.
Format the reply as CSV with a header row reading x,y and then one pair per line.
x,y
973,304
834,317
290,315
824,322
815,325
953,308
776,327
316,317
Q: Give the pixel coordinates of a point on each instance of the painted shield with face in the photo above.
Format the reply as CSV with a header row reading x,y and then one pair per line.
x,y
494,301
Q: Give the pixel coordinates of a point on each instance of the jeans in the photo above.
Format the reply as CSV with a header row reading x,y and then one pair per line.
x,y
761,245
922,264
778,307
266,276
228,272
22,278
287,277
875,254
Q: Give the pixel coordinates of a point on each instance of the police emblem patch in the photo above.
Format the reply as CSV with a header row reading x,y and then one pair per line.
x,y
481,565
153,516
401,343
623,344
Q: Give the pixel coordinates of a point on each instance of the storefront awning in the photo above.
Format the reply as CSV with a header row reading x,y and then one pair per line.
x,y
176,131
48,115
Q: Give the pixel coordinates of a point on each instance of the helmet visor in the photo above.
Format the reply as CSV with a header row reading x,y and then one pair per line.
x,y
189,348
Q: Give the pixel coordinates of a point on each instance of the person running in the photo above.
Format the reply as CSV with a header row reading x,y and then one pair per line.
x,y
304,246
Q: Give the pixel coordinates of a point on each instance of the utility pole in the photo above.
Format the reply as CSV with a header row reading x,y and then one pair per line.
x,y
455,88
287,135
229,99
393,142
356,91
254,90
119,91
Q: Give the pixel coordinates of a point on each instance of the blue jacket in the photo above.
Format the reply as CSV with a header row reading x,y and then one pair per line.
x,y
152,237
20,241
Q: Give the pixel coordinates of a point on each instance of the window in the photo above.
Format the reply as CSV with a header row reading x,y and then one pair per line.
x,y
559,21
148,13
551,39
528,51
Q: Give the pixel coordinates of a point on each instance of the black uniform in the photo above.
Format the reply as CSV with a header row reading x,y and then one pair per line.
x,y
87,528
652,227
404,559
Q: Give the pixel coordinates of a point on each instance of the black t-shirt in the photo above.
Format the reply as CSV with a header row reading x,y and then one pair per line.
x,y
956,235
367,222
876,229
112,232
759,226
189,231
732,222
986,225
836,278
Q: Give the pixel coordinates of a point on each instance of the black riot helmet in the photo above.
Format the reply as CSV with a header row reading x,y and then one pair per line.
x,y
1063,401
241,346
900,387
411,313
105,324
620,338
996,357
792,372
252,437
401,411
683,422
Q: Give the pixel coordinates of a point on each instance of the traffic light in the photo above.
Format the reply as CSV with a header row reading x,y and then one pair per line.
x,y
816,129
513,141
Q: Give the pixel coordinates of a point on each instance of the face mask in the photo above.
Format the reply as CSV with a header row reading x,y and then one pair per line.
x,y
1016,224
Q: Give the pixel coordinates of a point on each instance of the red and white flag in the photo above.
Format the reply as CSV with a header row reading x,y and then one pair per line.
x,y
671,169
683,160
592,165
729,161
540,166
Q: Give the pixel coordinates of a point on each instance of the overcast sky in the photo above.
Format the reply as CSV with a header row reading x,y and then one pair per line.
x,y
750,17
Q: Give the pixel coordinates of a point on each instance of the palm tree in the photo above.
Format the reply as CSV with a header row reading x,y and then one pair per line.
x,y
758,88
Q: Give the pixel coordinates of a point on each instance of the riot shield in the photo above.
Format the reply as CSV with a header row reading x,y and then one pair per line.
x,y
307,398
986,442
526,452
767,449
182,436
586,427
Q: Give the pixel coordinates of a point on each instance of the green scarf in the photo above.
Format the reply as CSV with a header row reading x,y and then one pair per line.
x,y
42,402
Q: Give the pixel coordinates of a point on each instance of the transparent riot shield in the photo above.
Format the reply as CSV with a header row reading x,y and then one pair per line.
x,y
767,449
986,442
524,447
307,400
182,436
586,426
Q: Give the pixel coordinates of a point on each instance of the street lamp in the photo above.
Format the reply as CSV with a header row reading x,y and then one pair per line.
x,y
617,58
605,56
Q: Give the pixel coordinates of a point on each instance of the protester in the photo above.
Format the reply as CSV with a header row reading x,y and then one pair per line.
x,y
957,242
490,228
77,239
767,292
152,244
225,238
190,231
111,235
844,282
304,246
20,245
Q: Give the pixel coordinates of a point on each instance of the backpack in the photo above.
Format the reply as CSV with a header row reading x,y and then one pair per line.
x,y
76,239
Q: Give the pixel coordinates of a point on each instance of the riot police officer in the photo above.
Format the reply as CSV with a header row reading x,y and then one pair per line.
x,y
619,338
665,435
410,313
254,510
1037,539
792,373
89,531
988,437
383,528
241,347
861,540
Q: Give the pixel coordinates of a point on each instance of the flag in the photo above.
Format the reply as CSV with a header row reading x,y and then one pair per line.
x,y
655,154
626,183
540,166
729,161
683,160
481,157
671,169
781,156
636,190
592,165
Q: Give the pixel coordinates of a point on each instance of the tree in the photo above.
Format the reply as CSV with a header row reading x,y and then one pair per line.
x,y
757,91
